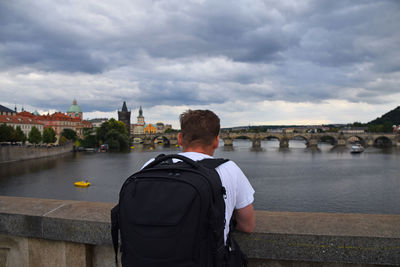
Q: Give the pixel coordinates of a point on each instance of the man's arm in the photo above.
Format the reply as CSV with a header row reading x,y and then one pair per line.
x,y
245,219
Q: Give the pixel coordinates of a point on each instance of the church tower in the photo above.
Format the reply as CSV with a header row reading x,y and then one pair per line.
x,y
140,118
74,110
125,116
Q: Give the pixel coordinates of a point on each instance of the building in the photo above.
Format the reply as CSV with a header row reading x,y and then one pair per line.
x,y
150,129
139,126
96,123
74,110
25,123
161,127
353,130
125,116
6,111
59,121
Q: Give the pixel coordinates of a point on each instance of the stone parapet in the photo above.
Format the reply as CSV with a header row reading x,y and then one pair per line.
x,y
45,232
17,153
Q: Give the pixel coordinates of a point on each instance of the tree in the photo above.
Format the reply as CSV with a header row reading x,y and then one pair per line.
x,y
49,135
34,136
89,138
114,134
63,140
69,134
18,135
358,124
6,133
170,130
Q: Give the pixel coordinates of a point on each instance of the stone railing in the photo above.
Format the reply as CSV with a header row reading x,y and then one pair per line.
x,y
44,232
17,153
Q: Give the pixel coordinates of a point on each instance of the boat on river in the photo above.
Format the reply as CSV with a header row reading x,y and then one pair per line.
x,y
82,184
356,148
104,148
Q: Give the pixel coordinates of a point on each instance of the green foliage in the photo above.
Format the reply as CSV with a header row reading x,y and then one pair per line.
x,y
170,130
18,135
114,134
34,136
6,133
333,130
386,127
358,124
63,140
69,134
89,139
49,136
393,117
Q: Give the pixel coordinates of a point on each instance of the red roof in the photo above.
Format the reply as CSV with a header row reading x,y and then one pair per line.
x,y
28,117
17,119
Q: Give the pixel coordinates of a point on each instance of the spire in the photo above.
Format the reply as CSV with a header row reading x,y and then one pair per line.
x,y
140,111
124,108
74,102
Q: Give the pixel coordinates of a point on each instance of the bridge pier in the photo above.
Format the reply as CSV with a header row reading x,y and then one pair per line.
x,y
228,142
341,142
256,143
147,141
284,142
369,142
312,143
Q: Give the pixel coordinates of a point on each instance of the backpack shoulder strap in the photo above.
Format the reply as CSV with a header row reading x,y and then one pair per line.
x,y
212,163
115,229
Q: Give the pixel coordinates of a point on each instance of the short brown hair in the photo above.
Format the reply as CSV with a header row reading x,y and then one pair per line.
x,y
199,127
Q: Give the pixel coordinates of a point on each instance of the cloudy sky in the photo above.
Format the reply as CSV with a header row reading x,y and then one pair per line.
x,y
253,62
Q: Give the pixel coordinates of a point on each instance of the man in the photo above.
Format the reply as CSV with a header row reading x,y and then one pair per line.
x,y
199,140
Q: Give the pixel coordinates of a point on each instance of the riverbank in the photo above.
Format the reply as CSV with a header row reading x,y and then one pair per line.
x,y
18,153
47,232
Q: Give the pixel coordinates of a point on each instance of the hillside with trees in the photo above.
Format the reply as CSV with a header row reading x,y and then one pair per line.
x,y
385,122
392,116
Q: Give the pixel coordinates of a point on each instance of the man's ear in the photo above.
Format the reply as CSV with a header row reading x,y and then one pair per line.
x,y
180,139
216,143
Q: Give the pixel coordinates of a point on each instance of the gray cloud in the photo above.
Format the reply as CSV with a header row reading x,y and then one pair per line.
x,y
198,52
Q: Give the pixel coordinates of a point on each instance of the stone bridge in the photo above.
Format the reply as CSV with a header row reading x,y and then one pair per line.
x,y
311,139
150,139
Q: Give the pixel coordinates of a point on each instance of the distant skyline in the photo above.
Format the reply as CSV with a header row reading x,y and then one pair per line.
x,y
258,62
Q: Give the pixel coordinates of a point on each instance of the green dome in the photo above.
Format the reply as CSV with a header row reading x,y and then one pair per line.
x,y
74,108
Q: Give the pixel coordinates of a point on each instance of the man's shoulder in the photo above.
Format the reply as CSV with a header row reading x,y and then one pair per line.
x,y
229,164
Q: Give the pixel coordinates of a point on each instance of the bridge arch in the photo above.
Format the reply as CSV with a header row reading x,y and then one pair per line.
x,y
159,138
328,139
300,137
241,137
383,141
271,137
356,139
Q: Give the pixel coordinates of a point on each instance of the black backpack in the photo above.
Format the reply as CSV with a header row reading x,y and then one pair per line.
x,y
173,214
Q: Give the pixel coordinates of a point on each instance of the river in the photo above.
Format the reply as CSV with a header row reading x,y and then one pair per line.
x,y
294,179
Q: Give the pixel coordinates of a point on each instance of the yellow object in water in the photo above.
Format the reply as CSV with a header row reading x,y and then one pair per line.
x,y
132,147
82,184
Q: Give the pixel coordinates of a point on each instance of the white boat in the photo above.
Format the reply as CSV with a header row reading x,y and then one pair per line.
x,y
356,148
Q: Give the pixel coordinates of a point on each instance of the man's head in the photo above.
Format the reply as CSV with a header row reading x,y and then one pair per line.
x,y
199,128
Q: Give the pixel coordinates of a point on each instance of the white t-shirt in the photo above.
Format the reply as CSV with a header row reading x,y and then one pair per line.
x,y
239,192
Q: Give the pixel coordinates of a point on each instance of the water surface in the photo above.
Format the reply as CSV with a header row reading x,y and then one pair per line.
x,y
294,179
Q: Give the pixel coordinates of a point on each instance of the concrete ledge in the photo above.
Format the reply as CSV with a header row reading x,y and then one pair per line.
x,y
280,237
